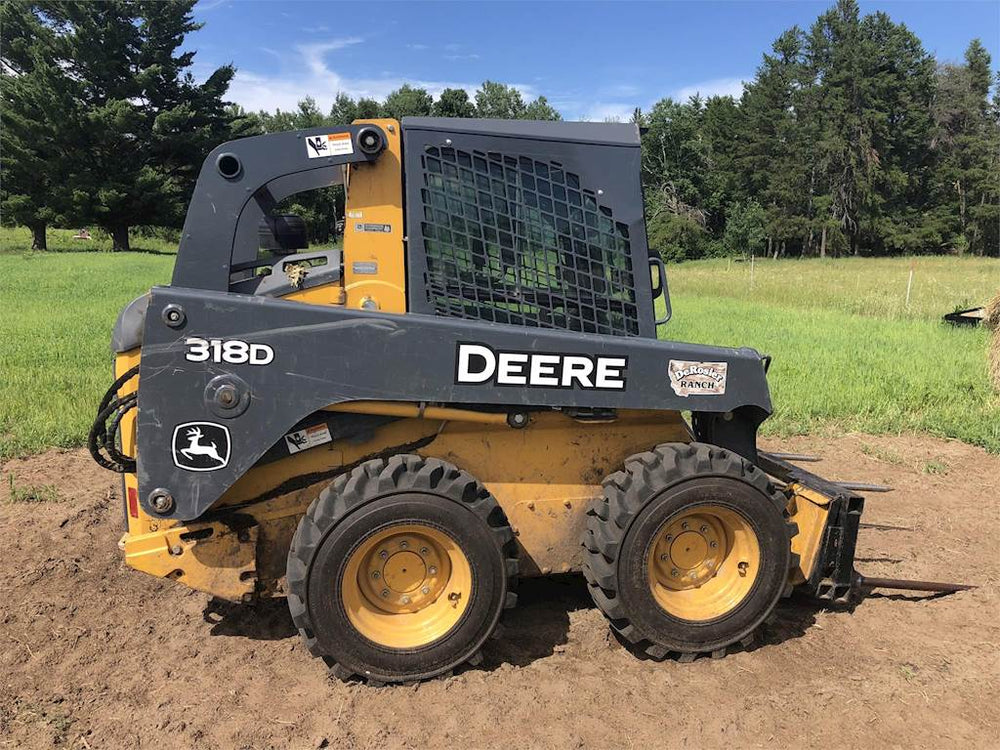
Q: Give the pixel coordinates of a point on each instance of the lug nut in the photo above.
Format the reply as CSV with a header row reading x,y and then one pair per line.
x,y
405,600
404,544
385,593
432,570
674,573
425,590
664,557
670,537
684,524
424,550
703,528
375,574
383,554
713,544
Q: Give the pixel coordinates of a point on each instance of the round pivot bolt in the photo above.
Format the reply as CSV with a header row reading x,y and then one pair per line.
x,y
227,396
518,419
173,315
161,500
370,141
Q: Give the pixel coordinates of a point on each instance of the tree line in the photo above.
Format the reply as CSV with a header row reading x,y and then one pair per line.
x,y
850,139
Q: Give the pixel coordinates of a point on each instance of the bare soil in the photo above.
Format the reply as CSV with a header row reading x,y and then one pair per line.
x,y
95,655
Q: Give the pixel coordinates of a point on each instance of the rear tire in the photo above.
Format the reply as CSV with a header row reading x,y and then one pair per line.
x,y
689,550
399,570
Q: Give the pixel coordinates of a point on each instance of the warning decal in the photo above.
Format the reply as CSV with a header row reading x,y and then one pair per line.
x,y
331,144
310,437
700,378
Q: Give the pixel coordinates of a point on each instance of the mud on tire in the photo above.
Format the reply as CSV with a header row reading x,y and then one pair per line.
x,y
653,488
380,495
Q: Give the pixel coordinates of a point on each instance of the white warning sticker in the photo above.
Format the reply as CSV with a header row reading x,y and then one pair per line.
x,y
331,144
310,437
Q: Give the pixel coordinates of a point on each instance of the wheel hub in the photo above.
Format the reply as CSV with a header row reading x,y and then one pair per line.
x,y
689,551
406,586
703,562
405,572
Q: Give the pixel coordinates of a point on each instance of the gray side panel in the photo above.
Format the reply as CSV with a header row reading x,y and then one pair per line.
x,y
328,355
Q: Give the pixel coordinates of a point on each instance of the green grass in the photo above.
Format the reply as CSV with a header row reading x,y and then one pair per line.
x,y
56,314
848,354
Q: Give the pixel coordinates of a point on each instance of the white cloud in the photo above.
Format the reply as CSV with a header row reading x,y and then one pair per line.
x,y
715,87
602,111
310,75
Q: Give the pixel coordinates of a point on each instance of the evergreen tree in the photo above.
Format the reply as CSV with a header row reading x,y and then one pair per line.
x,y
144,125
35,102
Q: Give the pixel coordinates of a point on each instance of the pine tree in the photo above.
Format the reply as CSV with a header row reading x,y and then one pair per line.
x,y
34,101
144,124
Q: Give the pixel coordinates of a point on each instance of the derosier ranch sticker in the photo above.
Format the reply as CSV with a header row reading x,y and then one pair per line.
x,y
701,378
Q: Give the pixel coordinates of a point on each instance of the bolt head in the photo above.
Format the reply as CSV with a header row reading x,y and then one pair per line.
x,y
376,575
404,544
713,544
383,554
425,590
161,500
664,557
703,528
385,593
424,551
176,550
674,573
670,537
684,524
405,600
432,570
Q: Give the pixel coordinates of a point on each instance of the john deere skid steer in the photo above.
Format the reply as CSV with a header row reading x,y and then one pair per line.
x,y
470,391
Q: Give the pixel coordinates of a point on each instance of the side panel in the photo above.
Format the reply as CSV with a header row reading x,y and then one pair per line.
x,y
322,356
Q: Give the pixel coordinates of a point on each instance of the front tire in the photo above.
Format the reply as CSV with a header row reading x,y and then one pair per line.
x,y
399,570
689,551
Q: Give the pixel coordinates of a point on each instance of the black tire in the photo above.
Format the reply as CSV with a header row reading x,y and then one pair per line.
x,y
653,487
376,496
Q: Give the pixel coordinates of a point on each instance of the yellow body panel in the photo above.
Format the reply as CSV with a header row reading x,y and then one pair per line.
x,y
808,509
543,476
374,265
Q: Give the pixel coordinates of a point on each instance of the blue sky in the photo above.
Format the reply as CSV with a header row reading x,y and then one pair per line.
x,y
592,60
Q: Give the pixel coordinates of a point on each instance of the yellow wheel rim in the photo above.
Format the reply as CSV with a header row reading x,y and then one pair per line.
x,y
703,563
406,586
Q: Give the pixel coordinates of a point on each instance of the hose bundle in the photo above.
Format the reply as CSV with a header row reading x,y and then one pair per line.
x,y
103,438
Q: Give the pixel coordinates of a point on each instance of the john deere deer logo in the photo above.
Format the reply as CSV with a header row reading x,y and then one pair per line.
x,y
201,446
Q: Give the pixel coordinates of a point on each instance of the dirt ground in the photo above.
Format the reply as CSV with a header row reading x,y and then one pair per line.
x,y
93,655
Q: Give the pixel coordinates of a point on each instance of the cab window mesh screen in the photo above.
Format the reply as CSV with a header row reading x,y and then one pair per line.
x,y
512,239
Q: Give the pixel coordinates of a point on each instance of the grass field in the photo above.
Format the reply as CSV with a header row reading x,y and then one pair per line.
x,y
848,353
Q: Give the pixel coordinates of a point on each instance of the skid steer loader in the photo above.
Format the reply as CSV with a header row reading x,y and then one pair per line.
x,y
472,390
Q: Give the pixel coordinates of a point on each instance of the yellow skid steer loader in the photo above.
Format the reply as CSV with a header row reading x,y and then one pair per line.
x,y
470,391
